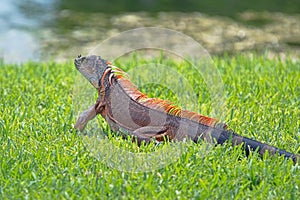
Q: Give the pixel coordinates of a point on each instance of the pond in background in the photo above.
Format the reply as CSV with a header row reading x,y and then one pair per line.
x,y
37,29
20,22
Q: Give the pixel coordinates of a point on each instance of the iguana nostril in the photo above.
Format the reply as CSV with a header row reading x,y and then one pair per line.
x,y
79,59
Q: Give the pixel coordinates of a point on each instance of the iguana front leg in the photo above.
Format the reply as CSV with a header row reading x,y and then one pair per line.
x,y
85,117
91,112
88,115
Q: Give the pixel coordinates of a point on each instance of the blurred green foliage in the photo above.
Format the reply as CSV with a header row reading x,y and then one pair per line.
x,y
219,7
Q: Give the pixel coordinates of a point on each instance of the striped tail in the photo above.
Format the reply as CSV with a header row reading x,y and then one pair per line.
x,y
222,136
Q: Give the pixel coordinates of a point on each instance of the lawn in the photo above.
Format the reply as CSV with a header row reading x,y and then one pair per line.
x,y
42,156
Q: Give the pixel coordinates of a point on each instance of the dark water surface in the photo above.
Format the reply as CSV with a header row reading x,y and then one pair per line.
x,y
43,29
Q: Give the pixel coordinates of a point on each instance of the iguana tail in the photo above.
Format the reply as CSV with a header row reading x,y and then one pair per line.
x,y
222,136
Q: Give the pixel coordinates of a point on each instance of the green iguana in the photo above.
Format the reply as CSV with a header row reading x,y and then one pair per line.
x,y
149,119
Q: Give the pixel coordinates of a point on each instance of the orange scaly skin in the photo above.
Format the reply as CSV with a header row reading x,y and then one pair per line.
x,y
149,119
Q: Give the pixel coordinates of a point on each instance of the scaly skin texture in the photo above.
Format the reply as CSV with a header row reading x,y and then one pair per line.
x,y
145,119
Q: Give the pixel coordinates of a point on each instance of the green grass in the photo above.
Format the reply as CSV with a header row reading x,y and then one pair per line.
x,y
42,157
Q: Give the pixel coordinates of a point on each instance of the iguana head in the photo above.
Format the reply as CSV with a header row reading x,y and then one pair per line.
x,y
92,68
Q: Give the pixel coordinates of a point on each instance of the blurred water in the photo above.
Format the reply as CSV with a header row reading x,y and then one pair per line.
x,y
20,22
